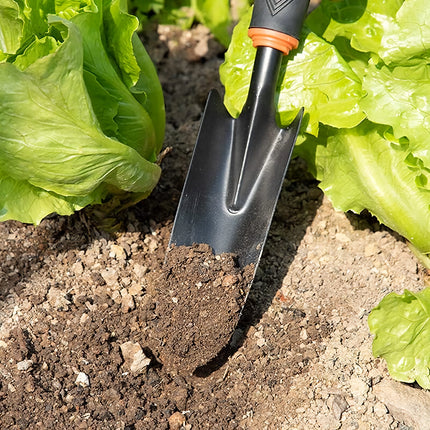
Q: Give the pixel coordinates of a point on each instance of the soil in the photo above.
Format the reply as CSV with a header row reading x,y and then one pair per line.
x,y
79,346
199,299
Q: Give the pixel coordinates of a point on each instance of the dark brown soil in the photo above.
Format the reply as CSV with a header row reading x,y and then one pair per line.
x,y
199,302
83,356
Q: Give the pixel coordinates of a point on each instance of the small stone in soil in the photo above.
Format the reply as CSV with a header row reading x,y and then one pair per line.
x,y
176,421
338,405
199,301
82,380
134,358
24,365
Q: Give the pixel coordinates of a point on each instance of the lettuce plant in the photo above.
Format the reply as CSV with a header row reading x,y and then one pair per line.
x,y
401,326
81,107
362,74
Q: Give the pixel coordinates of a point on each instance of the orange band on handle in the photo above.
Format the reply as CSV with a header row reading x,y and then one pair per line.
x,y
273,39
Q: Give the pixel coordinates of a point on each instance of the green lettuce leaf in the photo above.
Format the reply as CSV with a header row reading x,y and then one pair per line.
x,y
19,200
38,48
120,28
362,22
170,12
396,30
393,98
11,28
401,326
409,36
148,92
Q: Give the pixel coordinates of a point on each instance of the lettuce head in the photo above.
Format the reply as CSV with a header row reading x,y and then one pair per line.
x,y
81,107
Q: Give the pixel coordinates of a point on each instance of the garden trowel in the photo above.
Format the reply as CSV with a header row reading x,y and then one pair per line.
x,y
239,164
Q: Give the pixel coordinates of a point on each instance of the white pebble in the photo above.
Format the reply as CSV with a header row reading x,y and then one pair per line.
x,y
82,380
24,365
127,303
359,388
84,319
303,334
57,298
11,388
380,409
139,270
118,252
78,268
135,289
261,342
110,276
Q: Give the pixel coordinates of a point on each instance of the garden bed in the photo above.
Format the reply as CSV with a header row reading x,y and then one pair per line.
x,y
79,309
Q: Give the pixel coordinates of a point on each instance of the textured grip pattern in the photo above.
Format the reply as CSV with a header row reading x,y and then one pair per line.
x,y
284,16
276,6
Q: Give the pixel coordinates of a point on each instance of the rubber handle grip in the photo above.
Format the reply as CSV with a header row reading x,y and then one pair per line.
x,y
282,17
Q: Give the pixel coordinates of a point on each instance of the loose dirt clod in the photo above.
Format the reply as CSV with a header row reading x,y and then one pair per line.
x,y
200,298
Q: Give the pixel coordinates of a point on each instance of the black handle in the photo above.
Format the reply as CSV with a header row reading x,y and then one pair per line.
x,y
283,16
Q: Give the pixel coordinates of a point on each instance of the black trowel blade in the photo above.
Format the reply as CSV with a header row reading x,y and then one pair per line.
x,y
234,181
